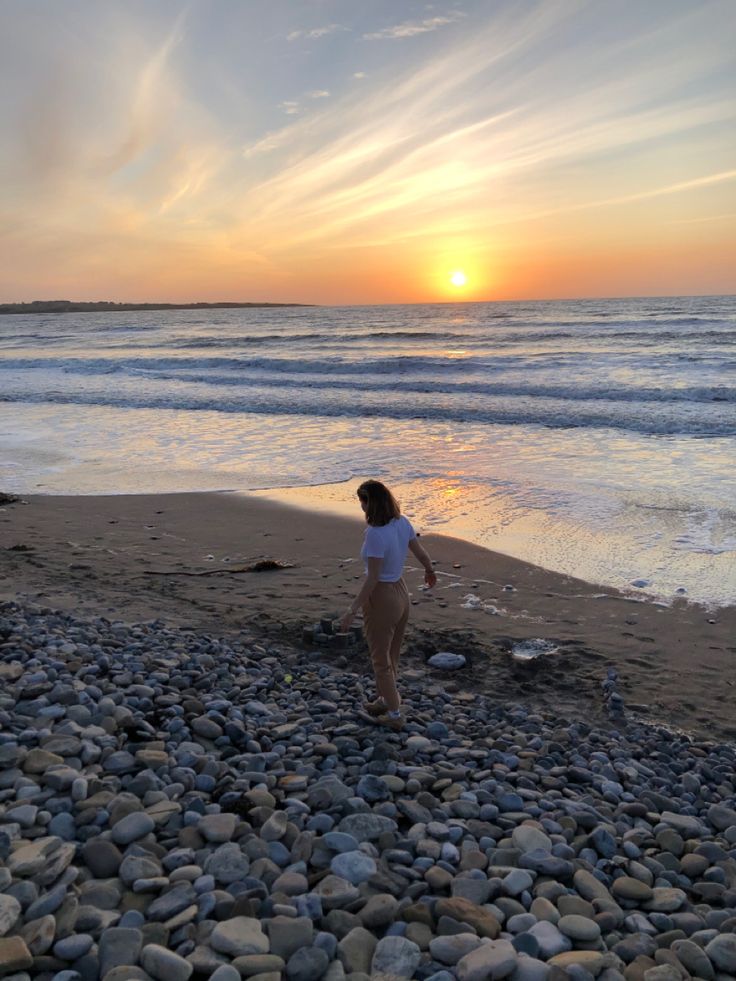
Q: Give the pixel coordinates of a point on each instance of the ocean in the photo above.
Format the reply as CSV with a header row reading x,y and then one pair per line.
x,y
593,437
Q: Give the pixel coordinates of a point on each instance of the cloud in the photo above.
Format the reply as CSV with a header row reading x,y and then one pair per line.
x,y
465,141
290,107
697,221
268,143
318,94
316,32
412,28
360,74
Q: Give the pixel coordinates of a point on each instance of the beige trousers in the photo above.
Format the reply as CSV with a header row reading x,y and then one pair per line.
x,y
385,616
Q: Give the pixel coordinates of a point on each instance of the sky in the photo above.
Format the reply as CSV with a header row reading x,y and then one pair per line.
x,y
338,151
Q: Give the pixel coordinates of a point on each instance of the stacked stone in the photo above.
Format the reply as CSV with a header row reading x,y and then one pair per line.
x,y
611,696
325,634
172,808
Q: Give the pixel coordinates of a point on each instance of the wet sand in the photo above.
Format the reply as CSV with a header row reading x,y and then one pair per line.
x,y
179,557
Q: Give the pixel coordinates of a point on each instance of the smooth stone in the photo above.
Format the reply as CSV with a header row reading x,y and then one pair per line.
x,y
227,864
722,951
14,955
338,841
525,943
118,946
254,964
10,910
355,867
684,824
39,934
274,828
626,887
135,867
239,935
127,972
132,827
307,964
591,960
589,887
218,828
462,910
496,959
380,911
517,882
366,827
225,972
396,956
527,838
32,857
287,934
721,816
102,858
164,964
206,727
73,947
356,950
666,900
446,661
579,928
694,958
336,892
663,972
449,950
549,938
291,884
532,969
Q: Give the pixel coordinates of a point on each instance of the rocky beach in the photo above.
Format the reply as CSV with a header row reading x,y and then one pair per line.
x,y
189,787
174,805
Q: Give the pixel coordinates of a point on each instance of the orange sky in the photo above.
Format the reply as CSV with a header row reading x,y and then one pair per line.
x,y
334,154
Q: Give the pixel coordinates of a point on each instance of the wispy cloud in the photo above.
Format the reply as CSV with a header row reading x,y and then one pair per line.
x,y
463,141
411,28
360,74
730,216
316,32
290,107
318,94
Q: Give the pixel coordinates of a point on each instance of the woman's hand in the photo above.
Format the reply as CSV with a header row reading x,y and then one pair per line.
x,y
430,578
346,622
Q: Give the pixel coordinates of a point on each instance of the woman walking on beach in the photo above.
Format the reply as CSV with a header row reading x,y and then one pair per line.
x,y
384,598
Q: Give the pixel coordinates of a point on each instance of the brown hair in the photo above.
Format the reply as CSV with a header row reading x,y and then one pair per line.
x,y
381,505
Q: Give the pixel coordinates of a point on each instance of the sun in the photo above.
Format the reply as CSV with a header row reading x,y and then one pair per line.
x,y
458,278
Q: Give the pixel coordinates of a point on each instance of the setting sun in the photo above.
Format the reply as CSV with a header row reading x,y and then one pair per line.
x,y
458,278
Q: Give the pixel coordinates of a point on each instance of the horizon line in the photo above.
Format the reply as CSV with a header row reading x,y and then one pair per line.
x,y
188,304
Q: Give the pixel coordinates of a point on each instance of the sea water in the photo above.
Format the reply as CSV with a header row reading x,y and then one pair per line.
x,y
593,437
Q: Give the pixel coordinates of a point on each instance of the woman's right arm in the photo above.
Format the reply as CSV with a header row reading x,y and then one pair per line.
x,y
421,553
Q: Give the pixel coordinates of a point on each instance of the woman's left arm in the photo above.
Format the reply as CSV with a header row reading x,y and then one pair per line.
x,y
369,584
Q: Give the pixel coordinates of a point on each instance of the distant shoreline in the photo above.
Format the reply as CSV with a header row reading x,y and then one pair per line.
x,y
103,306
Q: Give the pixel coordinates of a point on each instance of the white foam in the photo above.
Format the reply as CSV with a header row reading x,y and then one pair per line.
x,y
527,650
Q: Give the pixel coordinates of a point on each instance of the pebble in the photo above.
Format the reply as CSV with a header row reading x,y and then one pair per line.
x,y
164,964
168,806
354,866
395,956
497,959
239,935
132,827
307,964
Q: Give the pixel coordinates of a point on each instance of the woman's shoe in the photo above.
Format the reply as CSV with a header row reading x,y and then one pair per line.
x,y
375,708
391,722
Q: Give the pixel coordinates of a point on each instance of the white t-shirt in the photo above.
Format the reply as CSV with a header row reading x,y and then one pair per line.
x,y
390,543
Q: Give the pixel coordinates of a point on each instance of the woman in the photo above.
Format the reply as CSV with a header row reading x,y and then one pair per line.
x,y
384,597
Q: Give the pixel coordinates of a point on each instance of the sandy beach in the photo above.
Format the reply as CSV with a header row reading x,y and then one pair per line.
x,y
179,558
